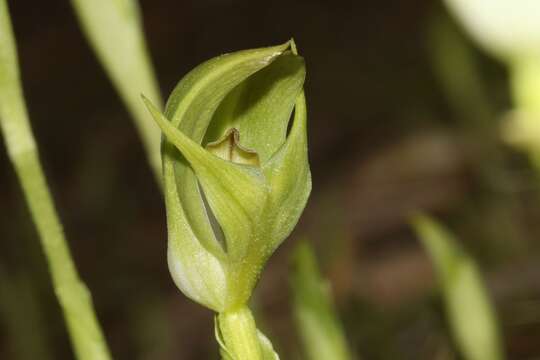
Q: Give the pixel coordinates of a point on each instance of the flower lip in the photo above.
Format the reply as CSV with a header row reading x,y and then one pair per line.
x,y
228,147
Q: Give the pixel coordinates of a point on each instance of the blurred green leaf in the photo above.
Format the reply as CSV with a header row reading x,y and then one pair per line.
x,y
469,309
317,319
115,32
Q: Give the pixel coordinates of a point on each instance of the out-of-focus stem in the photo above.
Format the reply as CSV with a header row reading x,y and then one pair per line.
x,y
525,86
72,294
114,29
525,77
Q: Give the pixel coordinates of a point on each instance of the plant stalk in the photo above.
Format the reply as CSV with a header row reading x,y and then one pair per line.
x,y
239,333
74,297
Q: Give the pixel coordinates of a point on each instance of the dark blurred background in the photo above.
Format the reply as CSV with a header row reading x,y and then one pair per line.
x,y
392,130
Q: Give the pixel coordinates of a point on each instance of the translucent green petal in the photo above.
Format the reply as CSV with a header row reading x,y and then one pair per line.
x,y
203,280
268,352
236,193
289,177
261,107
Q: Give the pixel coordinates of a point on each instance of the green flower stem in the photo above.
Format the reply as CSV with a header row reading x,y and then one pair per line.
x,y
114,30
72,294
239,334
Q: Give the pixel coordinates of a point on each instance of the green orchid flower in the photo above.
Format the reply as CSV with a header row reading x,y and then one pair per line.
x,y
236,178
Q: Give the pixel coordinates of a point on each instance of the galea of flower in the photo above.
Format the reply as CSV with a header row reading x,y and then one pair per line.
x,y
236,177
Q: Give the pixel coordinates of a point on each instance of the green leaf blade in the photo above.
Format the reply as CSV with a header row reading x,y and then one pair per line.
x,y
317,320
469,309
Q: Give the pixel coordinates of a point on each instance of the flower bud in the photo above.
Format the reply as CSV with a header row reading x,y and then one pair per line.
x,y
236,175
